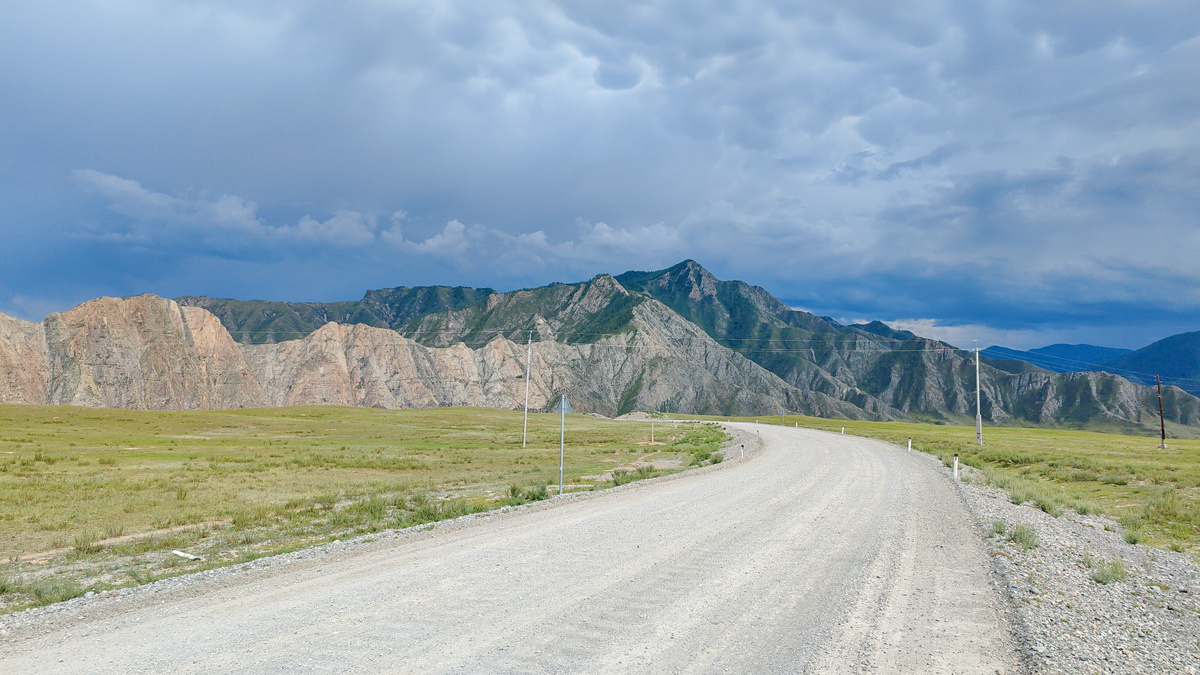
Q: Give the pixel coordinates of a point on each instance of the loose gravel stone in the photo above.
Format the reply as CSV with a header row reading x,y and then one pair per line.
x,y
1148,622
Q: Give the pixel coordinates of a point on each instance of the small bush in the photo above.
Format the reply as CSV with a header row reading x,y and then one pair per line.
x,y
1133,532
621,476
1023,536
536,493
1109,571
998,528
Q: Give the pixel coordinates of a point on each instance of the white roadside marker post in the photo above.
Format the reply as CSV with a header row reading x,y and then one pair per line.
x,y
843,431
743,451
910,445
956,467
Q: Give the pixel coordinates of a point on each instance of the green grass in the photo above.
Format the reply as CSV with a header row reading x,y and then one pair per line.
x,y
1106,571
1023,536
1154,493
105,495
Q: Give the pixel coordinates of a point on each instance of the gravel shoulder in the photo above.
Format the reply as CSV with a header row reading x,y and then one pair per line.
x,y
816,553
1143,618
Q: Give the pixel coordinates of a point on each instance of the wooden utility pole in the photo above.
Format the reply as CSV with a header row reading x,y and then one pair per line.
x,y
1162,424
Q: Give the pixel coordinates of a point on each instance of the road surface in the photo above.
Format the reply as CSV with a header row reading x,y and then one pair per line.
x,y
819,553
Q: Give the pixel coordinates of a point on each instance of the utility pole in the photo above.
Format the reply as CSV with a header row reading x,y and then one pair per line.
x,y
1162,424
563,407
978,407
528,363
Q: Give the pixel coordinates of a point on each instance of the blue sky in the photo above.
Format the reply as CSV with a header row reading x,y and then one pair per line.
x,y
1012,172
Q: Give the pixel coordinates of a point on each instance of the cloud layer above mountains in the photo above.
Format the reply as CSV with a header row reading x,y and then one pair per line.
x,y
1029,169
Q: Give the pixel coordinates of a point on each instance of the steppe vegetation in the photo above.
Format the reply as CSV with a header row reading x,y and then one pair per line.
x,y
1154,493
93,499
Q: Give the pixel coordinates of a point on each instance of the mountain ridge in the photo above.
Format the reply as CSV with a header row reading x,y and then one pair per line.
x,y
677,339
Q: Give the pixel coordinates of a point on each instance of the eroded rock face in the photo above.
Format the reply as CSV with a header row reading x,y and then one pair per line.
x,y
23,372
144,353
664,363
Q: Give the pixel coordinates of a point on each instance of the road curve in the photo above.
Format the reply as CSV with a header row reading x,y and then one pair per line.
x,y
822,553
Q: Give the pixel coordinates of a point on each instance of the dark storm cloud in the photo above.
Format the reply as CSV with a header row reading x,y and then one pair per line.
x,y
1003,165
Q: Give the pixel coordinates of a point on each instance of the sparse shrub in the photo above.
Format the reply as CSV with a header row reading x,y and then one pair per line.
x,y
1023,536
85,542
50,591
716,458
113,530
620,476
998,528
645,471
1109,571
180,494
141,576
536,493
1133,531
374,508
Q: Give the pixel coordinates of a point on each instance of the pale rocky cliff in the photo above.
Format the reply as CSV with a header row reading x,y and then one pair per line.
x,y
663,363
23,374
144,353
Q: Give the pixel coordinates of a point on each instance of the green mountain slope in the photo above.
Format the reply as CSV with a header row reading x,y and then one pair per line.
x,y
571,313
261,321
890,372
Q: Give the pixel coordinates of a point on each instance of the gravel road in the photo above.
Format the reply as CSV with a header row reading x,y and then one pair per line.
x,y
818,553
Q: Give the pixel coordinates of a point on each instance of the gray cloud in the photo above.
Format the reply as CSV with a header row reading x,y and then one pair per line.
x,y
1040,156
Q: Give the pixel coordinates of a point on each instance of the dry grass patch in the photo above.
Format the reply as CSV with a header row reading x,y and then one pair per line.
x,y
98,498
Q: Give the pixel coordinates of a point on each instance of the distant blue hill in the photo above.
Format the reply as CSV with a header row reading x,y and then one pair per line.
x,y
1175,358
1060,358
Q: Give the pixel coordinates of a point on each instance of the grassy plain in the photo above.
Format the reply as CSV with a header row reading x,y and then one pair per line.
x,y
1154,493
94,499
